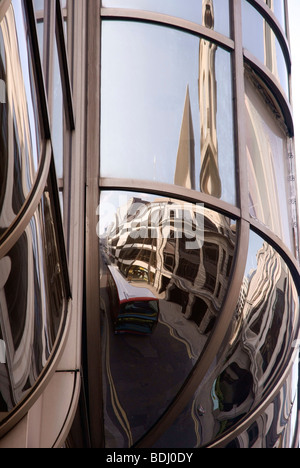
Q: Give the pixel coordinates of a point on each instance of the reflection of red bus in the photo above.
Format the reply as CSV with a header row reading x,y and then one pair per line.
x,y
134,310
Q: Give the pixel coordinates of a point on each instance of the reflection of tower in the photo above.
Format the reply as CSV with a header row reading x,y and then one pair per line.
x,y
185,167
210,182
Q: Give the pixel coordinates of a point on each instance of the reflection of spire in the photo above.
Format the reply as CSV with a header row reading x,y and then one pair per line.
x,y
185,167
210,182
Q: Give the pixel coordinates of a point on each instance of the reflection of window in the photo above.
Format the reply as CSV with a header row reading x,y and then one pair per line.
x,y
210,254
210,282
235,385
169,262
187,270
271,340
199,310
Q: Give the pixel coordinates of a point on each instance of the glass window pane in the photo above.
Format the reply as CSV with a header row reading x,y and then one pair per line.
x,y
267,166
39,5
252,358
191,10
264,44
278,8
20,137
32,303
153,124
57,118
165,269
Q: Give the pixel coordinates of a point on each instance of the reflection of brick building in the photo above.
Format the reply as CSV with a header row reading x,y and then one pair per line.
x,y
194,278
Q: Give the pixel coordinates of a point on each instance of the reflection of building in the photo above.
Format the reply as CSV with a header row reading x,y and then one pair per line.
x,y
193,276
209,230
209,178
185,168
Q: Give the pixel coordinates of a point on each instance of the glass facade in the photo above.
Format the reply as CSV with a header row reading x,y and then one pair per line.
x,y
163,132
168,117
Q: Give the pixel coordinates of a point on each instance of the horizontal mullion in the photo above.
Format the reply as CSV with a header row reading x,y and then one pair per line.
x,y
167,20
172,191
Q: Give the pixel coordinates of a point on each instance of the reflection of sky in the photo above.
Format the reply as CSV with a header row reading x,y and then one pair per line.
x,y
255,244
146,71
23,49
111,201
143,108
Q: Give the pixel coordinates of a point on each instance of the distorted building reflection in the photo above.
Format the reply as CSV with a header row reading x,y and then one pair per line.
x,y
210,181
250,363
183,255
20,132
31,306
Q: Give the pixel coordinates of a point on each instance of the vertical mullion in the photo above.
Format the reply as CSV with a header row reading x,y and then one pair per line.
x,y
49,37
64,68
239,111
94,367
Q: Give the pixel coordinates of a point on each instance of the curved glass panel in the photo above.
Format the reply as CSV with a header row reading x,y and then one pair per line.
x,y
165,269
268,165
20,136
278,8
264,44
154,126
281,417
192,10
265,325
31,307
